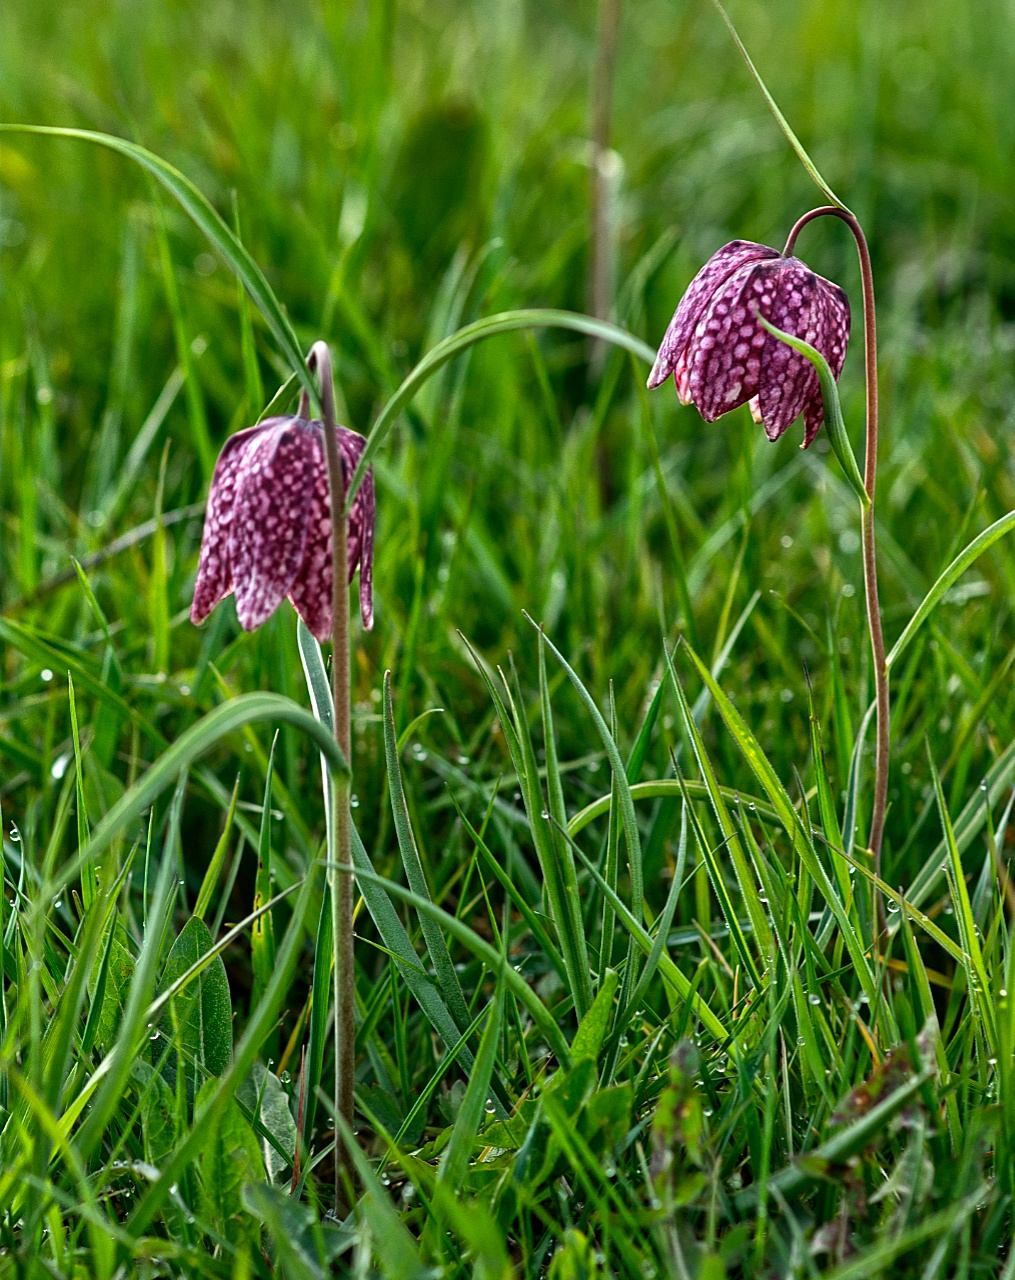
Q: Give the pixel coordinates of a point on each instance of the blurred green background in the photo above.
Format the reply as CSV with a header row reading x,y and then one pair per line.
x,y
401,167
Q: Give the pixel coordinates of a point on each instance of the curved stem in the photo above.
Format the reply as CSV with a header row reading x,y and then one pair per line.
x,y
340,883
867,526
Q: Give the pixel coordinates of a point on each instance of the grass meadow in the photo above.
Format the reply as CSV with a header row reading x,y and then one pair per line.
x,y
623,1006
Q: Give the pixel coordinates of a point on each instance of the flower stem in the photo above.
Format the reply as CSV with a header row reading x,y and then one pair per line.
x,y
340,882
867,525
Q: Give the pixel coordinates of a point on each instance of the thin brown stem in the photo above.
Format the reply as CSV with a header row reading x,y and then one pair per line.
x,y
340,881
603,176
869,549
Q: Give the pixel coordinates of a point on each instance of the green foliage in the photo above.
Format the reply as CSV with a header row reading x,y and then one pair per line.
x,y
621,1011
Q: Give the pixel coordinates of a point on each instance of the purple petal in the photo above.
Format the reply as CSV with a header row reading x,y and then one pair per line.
x,y
268,535
723,355
214,570
716,271
811,308
834,324
363,517
310,593
833,320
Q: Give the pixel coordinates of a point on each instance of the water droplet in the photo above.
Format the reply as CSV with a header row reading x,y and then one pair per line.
x,y
45,675
181,880
1003,991
545,815
865,998
15,834
893,906
992,1062
58,903
354,802
813,998
154,1035
286,1078
983,785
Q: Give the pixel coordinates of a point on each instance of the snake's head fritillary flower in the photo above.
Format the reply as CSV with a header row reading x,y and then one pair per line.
x,y
721,357
267,527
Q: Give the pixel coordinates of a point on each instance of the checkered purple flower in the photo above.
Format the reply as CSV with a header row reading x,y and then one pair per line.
x,y
267,528
721,357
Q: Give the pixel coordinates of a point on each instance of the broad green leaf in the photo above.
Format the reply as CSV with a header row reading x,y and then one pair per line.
x,y
158,1114
261,1020
229,1159
297,1241
592,1029
274,1114
203,1012
392,1240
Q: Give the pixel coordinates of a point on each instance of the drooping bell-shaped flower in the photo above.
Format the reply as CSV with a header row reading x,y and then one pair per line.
x,y
267,527
721,357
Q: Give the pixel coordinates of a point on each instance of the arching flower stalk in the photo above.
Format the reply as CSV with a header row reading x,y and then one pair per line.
x,y
269,534
753,327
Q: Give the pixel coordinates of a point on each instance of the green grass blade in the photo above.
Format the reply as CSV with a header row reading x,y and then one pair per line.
x,y
447,979
211,876
783,123
492,958
680,984
261,1020
563,858
455,1158
619,774
87,868
262,936
947,578
790,819
478,331
197,206
744,875
246,709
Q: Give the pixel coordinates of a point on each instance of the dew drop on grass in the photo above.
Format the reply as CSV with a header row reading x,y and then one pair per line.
x,y
45,675
15,834
354,802
545,815
814,999
893,906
